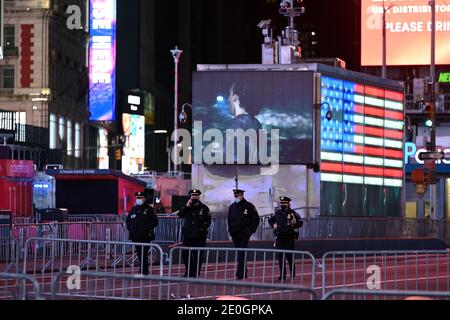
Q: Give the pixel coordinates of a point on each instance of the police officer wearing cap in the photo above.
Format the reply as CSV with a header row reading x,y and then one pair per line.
x,y
141,223
286,223
243,221
195,230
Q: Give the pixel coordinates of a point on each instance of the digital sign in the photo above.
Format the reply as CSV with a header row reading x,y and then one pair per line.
x,y
259,102
133,159
408,30
363,142
102,60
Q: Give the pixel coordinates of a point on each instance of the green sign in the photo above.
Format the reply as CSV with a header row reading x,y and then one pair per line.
x,y
444,77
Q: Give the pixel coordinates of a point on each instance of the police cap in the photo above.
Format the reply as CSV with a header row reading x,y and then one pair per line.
x,y
140,194
238,192
285,199
195,192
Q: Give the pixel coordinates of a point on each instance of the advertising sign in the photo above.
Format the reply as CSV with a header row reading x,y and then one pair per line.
x,y
102,60
133,158
408,29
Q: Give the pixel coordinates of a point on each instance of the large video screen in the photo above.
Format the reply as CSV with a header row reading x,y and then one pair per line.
x,y
408,29
102,60
133,159
363,143
277,105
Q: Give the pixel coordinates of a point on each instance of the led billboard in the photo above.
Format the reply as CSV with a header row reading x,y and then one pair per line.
x,y
102,60
362,149
134,143
269,103
408,29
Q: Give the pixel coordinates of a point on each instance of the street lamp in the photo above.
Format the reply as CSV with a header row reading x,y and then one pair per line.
x,y
176,54
183,116
329,114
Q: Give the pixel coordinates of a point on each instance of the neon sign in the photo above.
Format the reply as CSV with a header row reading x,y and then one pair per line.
x,y
102,60
411,151
444,77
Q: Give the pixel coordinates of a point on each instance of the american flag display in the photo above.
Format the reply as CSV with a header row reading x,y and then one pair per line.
x,y
364,141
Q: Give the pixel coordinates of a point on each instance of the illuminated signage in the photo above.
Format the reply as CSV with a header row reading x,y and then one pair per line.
x,y
102,60
408,28
444,77
411,151
102,152
133,158
363,142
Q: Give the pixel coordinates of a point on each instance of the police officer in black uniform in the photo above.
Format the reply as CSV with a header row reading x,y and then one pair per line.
x,y
141,223
195,231
286,223
243,221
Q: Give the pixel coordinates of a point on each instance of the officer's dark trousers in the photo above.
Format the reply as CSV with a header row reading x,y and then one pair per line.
x,y
193,259
286,243
142,253
241,240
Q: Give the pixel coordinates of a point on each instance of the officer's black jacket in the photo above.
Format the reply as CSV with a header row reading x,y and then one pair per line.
x,y
141,222
287,221
198,220
243,217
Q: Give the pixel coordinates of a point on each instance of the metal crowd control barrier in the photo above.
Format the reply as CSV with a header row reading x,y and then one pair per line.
x,y
262,265
385,295
18,287
102,231
9,254
46,257
110,286
386,270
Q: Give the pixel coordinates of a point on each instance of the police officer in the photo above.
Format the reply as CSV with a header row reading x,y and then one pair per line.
x,y
195,231
141,222
286,223
243,221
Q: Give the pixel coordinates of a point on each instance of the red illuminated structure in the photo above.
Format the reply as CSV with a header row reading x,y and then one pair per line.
x,y
95,191
16,182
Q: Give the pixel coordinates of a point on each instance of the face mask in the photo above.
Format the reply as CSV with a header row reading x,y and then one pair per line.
x,y
237,200
139,202
195,201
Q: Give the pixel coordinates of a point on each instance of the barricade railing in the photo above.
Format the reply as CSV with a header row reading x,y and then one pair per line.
x,y
345,294
386,270
102,231
46,257
15,286
9,254
257,265
128,287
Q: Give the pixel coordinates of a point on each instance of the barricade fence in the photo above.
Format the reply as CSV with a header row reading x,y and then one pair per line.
x,y
100,286
9,255
18,287
390,270
254,265
169,230
46,257
345,294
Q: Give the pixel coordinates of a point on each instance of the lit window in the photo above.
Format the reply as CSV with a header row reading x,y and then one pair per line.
x,y
69,138
53,132
62,130
77,140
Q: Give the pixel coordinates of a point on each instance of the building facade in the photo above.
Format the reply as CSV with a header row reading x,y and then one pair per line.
x,y
44,82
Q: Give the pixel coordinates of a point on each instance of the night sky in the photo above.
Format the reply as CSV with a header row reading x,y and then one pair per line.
x,y
216,32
